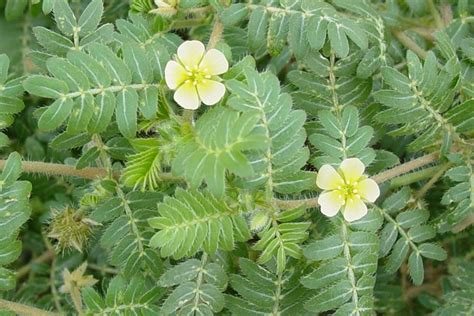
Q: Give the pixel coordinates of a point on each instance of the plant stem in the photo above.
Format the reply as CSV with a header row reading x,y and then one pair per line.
x,y
409,43
216,34
91,173
405,168
25,310
436,15
413,177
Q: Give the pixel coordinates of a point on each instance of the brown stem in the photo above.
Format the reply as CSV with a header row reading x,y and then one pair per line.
x,y
436,15
405,168
216,34
25,310
55,169
409,43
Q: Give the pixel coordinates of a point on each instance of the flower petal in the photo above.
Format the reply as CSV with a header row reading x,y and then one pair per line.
x,y
210,91
330,202
354,209
369,190
214,62
190,53
352,169
175,74
186,96
328,178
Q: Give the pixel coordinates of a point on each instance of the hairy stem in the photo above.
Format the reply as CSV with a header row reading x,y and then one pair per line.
x,y
405,168
56,169
24,310
93,173
413,177
216,34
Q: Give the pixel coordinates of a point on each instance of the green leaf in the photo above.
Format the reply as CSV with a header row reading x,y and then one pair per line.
x,y
66,140
51,41
415,268
277,33
326,144
7,279
115,66
396,80
65,19
433,251
257,28
398,255
460,117
90,17
97,75
103,111
81,114
388,236
10,105
47,6
349,121
317,37
412,218
257,287
179,297
70,74
4,65
136,59
338,39
148,102
92,299
330,297
234,13
179,235
327,248
181,273
359,141
297,35
395,99
355,33
421,233
12,169
331,124
326,274
45,87
126,113
14,9
10,251
55,114
211,151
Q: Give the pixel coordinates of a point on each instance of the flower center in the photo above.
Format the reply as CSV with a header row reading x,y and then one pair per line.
x,y
197,75
348,191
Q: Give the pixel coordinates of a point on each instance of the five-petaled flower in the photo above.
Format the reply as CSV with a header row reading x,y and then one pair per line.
x,y
194,75
347,189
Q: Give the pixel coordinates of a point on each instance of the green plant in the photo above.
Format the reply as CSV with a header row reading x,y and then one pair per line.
x,y
236,157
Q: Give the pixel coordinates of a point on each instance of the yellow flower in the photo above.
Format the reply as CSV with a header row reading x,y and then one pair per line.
x,y
347,189
194,75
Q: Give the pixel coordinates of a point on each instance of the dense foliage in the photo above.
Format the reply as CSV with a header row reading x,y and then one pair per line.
x,y
114,200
